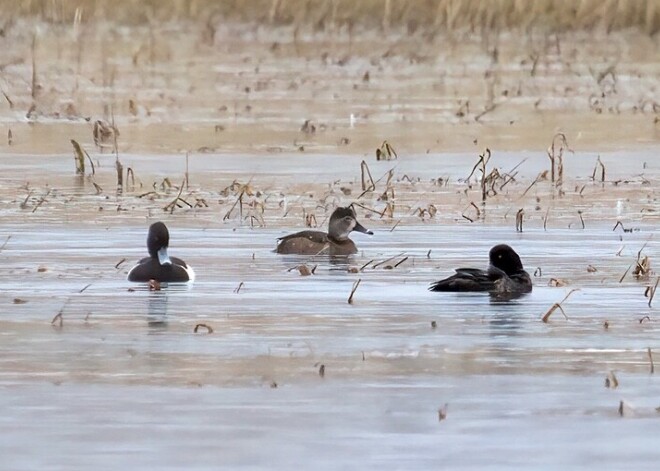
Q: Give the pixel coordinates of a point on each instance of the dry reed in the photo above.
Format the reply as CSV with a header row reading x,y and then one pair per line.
x,y
411,15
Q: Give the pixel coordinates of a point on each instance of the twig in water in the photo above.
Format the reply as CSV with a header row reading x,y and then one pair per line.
x,y
519,220
238,288
209,329
556,306
367,183
648,350
238,200
58,317
400,262
187,174
355,287
653,290
602,170
611,381
2,247
387,260
175,202
442,413
625,273
365,265
386,152
41,201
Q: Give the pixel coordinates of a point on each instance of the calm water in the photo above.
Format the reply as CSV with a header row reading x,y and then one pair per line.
x,y
125,383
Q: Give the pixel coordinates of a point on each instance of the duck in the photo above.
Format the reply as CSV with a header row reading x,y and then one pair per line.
x,y
159,265
335,242
504,275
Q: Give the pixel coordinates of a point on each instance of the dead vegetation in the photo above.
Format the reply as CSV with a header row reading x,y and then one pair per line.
x,y
555,306
413,15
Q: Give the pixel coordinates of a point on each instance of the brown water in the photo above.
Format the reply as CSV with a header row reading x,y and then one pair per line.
x,y
124,382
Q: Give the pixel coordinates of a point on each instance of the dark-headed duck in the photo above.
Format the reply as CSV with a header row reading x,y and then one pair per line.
x,y
504,275
160,266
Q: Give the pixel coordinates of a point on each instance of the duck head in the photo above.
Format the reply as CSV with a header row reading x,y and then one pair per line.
x,y
343,222
158,241
505,258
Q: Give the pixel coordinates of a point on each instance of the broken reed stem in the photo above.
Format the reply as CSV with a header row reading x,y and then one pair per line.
x,y
400,262
2,247
187,180
355,287
599,163
365,265
387,260
130,175
209,329
34,67
79,157
655,288
367,183
539,177
176,200
238,288
625,273
556,306
519,220
238,200
556,156
611,381
41,201
650,354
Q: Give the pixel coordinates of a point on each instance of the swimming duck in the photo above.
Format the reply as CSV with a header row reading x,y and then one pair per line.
x,y
334,242
504,275
160,266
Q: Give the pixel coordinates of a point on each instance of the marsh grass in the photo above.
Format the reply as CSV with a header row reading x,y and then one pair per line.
x,y
411,15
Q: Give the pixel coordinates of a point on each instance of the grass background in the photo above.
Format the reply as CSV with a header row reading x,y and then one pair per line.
x,y
438,15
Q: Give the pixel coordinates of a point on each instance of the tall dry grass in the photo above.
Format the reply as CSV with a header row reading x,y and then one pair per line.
x,y
555,15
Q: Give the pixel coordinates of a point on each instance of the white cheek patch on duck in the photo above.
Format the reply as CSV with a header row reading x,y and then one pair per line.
x,y
163,258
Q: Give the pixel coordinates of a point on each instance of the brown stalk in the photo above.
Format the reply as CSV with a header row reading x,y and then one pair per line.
x,y
519,220
355,287
556,306
209,329
650,354
387,260
653,290
41,201
367,183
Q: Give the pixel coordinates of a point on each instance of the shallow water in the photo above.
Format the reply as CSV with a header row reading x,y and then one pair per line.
x,y
124,381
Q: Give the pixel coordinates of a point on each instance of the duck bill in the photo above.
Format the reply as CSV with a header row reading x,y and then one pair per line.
x,y
360,228
163,258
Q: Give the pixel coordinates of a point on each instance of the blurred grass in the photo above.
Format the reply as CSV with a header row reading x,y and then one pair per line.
x,y
435,15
